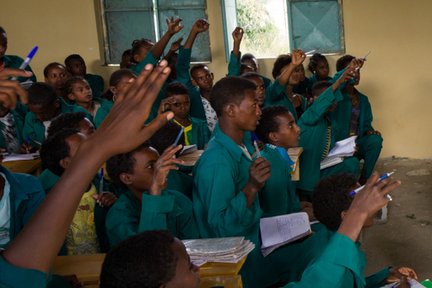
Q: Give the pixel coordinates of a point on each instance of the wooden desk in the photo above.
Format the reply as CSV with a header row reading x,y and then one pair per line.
x,y
24,166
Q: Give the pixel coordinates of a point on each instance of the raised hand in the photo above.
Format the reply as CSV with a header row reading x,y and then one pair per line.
x,y
176,44
297,57
174,25
10,90
237,34
201,25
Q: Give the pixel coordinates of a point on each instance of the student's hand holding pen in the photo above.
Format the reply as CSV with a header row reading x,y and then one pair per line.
x,y
396,273
297,57
347,75
105,199
259,172
10,90
166,162
174,25
27,148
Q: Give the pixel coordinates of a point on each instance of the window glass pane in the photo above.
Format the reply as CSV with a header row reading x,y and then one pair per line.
x,y
127,4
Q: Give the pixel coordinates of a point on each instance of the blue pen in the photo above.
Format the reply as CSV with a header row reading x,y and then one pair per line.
x,y
101,181
27,60
255,143
178,137
382,178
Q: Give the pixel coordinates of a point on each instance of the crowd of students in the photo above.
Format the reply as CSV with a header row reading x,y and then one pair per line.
x,y
130,131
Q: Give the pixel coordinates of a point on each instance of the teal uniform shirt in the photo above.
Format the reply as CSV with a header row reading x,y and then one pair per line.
x,y
234,66
34,130
183,76
200,134
19,123
180,181
276,95
13,61
15,277
96,83
278,197
313,80
102,112
170,211
26,194
313,139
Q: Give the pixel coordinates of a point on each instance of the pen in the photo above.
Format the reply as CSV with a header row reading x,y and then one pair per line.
x,y
310,52
382,178
364,59
178,137
27,60
255,143
101,180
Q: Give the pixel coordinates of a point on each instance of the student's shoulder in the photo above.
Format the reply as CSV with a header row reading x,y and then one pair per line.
x,y
24,184
179,198
13,276
12,61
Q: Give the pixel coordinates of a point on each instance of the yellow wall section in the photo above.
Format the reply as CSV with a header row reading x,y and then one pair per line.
x,y
397,76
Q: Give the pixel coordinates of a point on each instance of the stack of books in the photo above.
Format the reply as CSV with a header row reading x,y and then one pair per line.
x,y
342,149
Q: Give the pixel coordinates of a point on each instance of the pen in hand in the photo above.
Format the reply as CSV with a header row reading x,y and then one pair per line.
x,y
27,60
382,178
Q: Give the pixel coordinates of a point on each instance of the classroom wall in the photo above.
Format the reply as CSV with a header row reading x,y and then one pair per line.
x,y
396,77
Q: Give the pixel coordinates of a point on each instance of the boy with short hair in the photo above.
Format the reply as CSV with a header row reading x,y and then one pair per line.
x,y
55,75
76,66
44,105
145,203
195,130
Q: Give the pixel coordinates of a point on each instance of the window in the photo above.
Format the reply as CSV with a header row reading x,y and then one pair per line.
x,y
275,27
127,20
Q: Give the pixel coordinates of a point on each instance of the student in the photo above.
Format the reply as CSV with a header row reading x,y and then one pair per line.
x,y
278,130
195,130
140,49
317,135
238,64
331,201
303,88
55,75
145,203
70,120
118,83
76,66
87,234
258,80
163,262
200,79
287,75
27,261
319,67
354,117
44,105
78,91
12,61
126,60
20,196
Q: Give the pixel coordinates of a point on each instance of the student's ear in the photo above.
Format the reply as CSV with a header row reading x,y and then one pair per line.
x,y
65,162
193,81
71,96
113,90
273,137
212,76
136,58
230,110
126,178
343,214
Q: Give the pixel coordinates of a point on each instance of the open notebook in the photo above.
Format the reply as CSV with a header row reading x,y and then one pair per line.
x,y
280,230
343,148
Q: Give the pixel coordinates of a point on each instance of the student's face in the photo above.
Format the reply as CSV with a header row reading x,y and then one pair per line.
x,y
81,92
142,176
142,52
296,76
77,68
47,112
56,77
260,90
253,63
322,70
203,78
86,127
288,134
121,86
248,112
186,275
180,106
3,43
74,141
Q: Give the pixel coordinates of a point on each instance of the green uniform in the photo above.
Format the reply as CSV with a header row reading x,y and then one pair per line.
x,y
183,76
13,61
234,66
15,277
180,181
170,211
34,130
26,194
314,136
276,95
102,112
96,83
278,197
369,145
199,134
221,209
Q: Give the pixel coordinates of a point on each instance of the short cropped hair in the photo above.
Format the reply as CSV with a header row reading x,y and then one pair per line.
x,y
314,60
122,163
196,68
69,120
343,62
330,197
115,78
268,122
41,94
319,86
229,90
279,64
176,88
51,66
54,149
70,58
165,137
249,75
145,260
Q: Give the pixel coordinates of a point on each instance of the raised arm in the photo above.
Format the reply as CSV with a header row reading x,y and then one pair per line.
x,y
297,58
174,26
234,62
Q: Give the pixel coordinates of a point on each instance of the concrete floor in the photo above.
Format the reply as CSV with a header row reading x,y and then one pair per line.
x,y
406,238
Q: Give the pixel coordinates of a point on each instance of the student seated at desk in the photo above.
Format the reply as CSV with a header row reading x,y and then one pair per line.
x,y
78,91
331,201
317,136
28,259
87,233
76,66
55,75
145,203
44,105
195,130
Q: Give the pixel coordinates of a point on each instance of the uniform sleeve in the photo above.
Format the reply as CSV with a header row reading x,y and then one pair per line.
x,y
234,65
274,93
29,132
367,120
12,276
34,200
154,212
149,59
320,106
185,220
378,279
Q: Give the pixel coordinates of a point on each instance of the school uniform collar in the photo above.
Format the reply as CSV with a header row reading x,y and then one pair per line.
x,y
20,192
229,144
